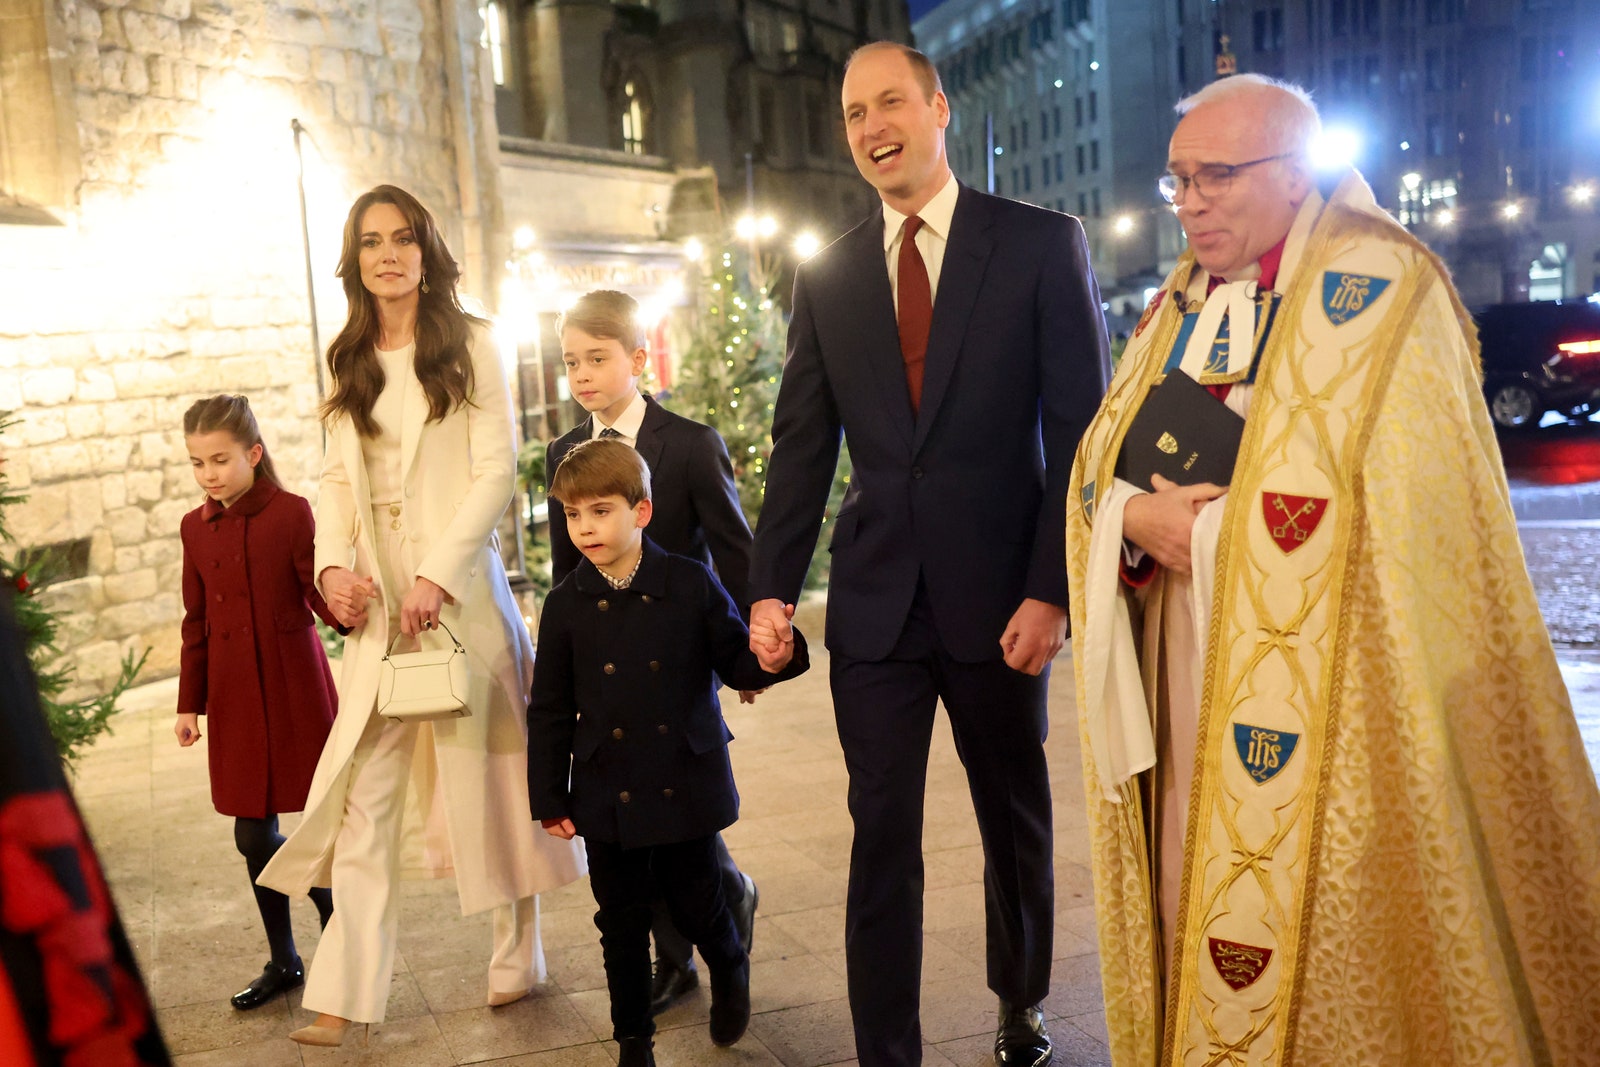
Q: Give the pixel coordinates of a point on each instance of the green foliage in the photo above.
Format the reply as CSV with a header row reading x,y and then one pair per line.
x,y
729,374
73,723
535,549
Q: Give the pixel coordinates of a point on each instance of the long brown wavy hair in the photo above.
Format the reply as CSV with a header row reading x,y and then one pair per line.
x,y
441,361
231,414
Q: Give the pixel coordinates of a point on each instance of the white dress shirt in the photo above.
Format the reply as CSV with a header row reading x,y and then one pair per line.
x,y
627,424
935,215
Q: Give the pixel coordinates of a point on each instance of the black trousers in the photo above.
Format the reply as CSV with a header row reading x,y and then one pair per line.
x,y
885,711
671,945
623,880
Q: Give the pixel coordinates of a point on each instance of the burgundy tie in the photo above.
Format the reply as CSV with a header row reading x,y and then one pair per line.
x,y
916,309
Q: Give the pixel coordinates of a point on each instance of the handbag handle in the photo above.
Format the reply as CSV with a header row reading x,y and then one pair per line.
x,y
442,626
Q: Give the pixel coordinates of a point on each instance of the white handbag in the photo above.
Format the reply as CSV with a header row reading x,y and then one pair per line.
x,y
423,685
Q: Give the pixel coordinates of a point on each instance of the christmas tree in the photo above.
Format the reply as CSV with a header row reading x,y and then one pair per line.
x,y
73,724
729,374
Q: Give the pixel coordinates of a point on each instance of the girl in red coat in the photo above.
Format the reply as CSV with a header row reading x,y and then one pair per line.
x,y
252,659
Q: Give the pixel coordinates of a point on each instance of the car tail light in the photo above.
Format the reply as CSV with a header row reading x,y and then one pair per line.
x,y
1581,348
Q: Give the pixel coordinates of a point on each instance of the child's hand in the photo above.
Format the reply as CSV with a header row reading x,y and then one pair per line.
x,y
347,594
187,728
771,637
748,696
561,828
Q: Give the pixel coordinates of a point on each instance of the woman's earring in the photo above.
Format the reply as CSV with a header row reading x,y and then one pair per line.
x,y
424,281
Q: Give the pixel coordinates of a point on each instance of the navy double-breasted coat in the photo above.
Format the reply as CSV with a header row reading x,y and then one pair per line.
x,y
626,688
252,662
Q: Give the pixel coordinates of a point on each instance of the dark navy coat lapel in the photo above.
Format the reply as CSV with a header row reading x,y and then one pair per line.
x,y
966,254
649,444
875,324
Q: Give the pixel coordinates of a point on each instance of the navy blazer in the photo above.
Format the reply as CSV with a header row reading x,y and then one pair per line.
x,y
696,506
624,689
970,493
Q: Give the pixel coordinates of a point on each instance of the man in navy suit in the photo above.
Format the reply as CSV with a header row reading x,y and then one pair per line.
x,y
956,340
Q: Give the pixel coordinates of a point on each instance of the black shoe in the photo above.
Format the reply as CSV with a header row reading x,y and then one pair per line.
x,y
730,1004
272,981
635,1052
671,982
744,912
1021,1040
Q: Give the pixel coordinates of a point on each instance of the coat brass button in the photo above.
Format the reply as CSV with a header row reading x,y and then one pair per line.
x,y
661,729
611,668
394,509
655,665
617,733
645,598
604,605
667,793
625,796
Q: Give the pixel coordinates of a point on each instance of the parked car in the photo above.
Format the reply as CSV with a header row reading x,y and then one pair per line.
x,y
1540,357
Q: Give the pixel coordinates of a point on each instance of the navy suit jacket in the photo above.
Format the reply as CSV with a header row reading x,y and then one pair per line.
x,y
625,693
970,492
695,505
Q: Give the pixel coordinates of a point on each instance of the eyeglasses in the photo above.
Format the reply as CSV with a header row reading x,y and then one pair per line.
x,y
1209,180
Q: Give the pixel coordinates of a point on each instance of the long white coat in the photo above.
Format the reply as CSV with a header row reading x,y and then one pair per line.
x,y
458,479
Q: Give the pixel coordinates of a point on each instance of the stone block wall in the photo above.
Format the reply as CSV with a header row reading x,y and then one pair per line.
x,y
178,268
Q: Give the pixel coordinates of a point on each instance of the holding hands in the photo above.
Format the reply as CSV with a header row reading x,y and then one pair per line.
x,y
771,636
347,594
561,828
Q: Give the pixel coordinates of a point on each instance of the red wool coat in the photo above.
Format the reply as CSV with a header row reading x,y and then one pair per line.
x,y
252,661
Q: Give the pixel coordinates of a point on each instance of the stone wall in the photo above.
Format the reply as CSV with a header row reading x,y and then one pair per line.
x,y
178,269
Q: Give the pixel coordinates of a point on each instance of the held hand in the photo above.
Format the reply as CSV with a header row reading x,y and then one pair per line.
x,y
347,594
187,728
420,609
1034,635
771,636
561,828
748,696
1161,522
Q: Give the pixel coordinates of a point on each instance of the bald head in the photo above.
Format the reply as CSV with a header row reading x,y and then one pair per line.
x,y
1245,138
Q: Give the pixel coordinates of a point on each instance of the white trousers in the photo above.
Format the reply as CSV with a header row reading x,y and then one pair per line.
x,y
354,963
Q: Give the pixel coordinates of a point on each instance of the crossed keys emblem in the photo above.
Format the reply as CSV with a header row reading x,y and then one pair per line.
x,y
1291,520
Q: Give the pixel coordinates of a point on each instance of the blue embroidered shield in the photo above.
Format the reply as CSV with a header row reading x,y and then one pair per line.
x,y
1088,502
1344,296
1263,752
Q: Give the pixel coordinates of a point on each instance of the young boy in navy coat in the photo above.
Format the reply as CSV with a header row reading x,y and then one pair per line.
x,y
630,648
695,513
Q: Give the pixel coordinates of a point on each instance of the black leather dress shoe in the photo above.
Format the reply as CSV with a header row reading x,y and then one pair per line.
x,y
671,982
744,913
272,981
730,1004
635,1052
1021,1040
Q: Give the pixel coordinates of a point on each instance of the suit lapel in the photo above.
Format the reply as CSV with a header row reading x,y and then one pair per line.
x,y
877,328
649,443
413,418
966,254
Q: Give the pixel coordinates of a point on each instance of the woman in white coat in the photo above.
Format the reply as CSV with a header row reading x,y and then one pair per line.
x,y
418,471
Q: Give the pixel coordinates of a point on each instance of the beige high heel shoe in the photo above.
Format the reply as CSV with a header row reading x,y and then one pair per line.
x,y
500,1000
329,1036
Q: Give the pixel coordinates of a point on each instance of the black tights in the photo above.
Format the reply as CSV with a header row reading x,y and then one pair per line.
x,y
257,841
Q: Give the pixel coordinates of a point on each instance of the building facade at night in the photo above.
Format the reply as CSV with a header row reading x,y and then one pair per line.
x,y
1478,123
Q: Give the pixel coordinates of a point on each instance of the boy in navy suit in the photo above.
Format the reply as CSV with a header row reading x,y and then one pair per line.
x,y
636,639
696,514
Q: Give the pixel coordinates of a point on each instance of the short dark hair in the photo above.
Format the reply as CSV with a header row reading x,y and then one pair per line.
x,y
923,67
608,315
598,468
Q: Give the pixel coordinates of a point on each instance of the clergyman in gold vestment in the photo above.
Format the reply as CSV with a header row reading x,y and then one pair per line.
x,y
1340,813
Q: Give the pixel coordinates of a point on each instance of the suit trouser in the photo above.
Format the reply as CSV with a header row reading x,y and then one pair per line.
x,y
686,875
885,711
354,963
671,945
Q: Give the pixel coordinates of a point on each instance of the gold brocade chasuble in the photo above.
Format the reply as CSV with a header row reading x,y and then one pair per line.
x,y
1393,842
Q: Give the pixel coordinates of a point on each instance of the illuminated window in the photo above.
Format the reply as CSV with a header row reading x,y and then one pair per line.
x,y
494,39
632,120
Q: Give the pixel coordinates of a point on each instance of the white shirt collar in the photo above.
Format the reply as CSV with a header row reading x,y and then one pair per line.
x,y
935,214
628,423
